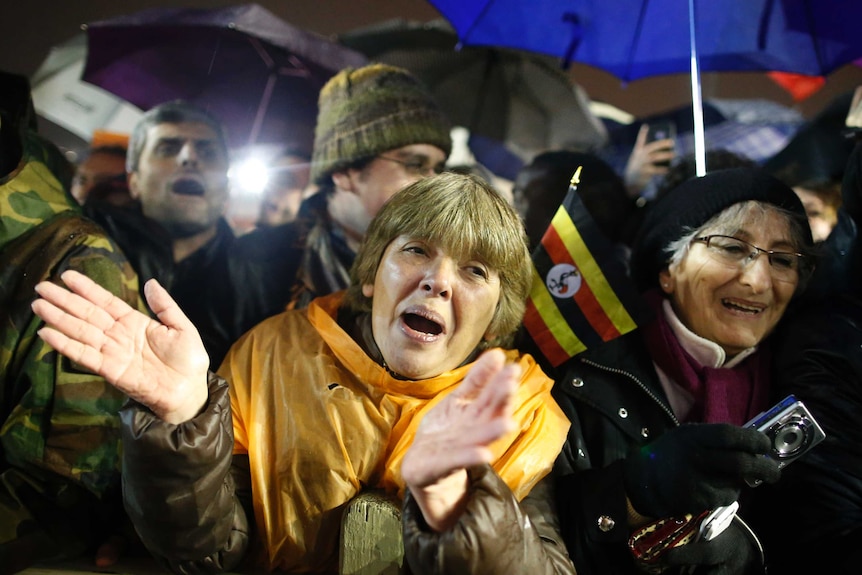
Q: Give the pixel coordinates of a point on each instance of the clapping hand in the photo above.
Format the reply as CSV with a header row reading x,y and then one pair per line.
x,y
161,364
455,435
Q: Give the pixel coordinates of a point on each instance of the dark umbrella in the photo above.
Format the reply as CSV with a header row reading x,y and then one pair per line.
x,y
259,74
523,100
820,149
639,38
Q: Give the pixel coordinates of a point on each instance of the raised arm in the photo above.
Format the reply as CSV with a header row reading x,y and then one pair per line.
x,y
161,364
647,160
179,484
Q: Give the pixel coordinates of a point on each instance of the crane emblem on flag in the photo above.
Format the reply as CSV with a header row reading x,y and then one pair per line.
x,y
563,281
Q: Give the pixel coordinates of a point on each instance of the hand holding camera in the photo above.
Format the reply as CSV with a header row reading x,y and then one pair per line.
x,y
698,466
792,430
695,467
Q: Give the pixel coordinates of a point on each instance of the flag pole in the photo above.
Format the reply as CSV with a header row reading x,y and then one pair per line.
x,y
576,178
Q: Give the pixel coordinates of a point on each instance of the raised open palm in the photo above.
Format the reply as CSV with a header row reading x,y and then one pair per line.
x,y
162,364
455,434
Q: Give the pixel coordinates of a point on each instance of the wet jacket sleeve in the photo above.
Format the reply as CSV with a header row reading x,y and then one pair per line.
x,y
496,533
183,489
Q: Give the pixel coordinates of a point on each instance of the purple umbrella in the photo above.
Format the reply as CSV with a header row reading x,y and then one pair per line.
x,y
257,73
635,39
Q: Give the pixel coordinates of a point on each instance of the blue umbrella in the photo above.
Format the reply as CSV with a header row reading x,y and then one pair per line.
x,y
635,39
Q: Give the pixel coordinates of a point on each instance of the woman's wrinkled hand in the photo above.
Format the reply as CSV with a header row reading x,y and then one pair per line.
x,y
161,364
455,434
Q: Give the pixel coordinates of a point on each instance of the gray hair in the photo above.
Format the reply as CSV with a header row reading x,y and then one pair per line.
x,y
731,219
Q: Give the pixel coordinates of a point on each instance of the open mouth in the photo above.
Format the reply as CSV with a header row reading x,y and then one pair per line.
x,y
422,324
188,188
737,306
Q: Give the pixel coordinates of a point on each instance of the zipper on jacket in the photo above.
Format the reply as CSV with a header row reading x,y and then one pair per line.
x,y
639,384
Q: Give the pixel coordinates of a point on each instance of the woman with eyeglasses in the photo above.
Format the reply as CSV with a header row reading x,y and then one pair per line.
x,y
657,414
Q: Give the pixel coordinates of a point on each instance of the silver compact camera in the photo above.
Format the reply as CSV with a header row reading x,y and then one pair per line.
x,y
792,429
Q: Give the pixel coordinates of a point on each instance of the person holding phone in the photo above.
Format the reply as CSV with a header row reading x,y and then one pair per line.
x,y
653,152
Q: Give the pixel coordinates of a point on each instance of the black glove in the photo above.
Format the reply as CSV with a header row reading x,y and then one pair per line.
x,y
695,467
733,552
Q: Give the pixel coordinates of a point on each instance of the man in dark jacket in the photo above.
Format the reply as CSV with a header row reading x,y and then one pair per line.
x,y
813,516
59,429
177,171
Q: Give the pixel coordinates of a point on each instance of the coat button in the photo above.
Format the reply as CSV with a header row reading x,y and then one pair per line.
x,y
623,412
577,382
581,453
644,432
605,523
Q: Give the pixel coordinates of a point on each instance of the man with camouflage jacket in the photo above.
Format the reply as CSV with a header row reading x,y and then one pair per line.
x,y
59,433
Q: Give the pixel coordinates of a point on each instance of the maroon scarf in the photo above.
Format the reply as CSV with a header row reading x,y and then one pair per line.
x,y
721,395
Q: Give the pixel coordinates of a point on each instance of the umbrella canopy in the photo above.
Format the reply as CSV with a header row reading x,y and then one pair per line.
x,y
634,39
637,38
257,73
60,96
522,100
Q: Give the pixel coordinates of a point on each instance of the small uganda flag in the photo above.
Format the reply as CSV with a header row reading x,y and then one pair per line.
x,y
581,294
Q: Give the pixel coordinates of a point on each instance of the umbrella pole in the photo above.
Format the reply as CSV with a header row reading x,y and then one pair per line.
x,y
696,101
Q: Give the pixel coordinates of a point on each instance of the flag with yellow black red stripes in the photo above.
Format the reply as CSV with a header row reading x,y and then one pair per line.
x,y
581,293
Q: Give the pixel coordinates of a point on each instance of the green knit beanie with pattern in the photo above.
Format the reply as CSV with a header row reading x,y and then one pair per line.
x,y
366,111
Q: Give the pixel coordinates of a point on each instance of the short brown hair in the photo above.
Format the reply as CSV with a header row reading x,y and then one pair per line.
x,y
467,217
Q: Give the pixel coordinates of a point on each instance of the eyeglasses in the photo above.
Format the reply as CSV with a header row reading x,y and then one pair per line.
x,y
416,166
735,252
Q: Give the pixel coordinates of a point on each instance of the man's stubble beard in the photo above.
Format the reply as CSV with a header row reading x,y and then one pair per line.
x,y
183,230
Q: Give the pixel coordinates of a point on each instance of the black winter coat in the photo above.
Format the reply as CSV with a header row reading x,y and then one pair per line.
x,y
616,403
613,397
813,516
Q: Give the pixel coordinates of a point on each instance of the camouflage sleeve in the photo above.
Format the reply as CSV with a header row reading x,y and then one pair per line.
x,y
60,429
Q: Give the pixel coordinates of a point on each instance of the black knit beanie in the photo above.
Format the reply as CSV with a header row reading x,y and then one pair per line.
x,y
365,111
692,204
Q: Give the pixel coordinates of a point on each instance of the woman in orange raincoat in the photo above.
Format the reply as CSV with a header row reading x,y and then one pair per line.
x,y
313,405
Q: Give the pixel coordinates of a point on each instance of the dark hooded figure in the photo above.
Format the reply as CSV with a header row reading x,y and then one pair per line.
x,y
813,516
